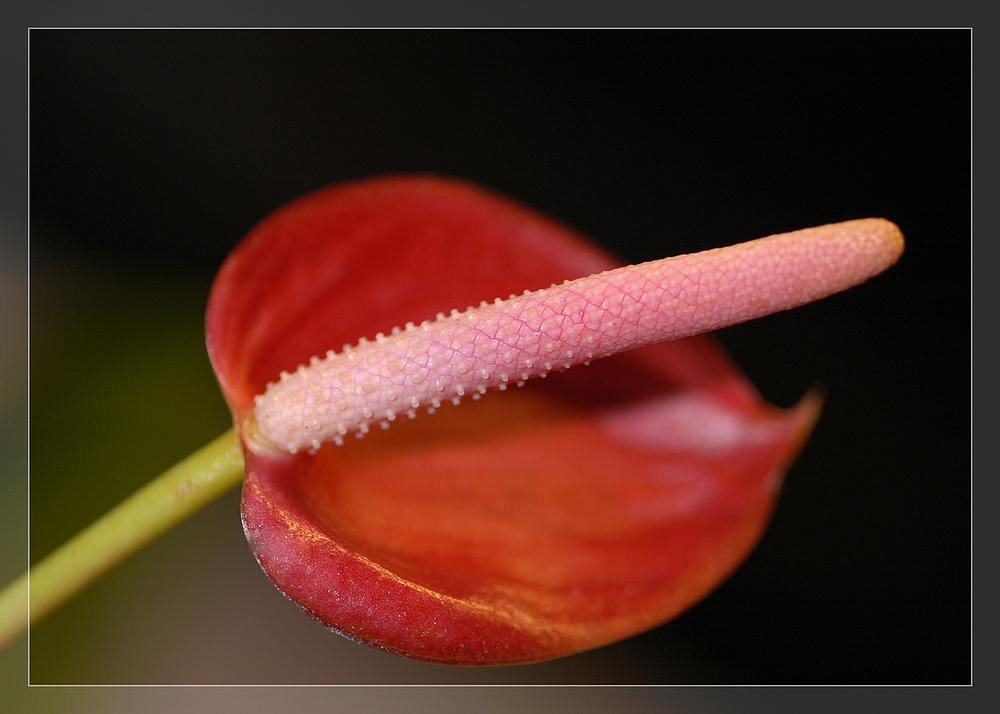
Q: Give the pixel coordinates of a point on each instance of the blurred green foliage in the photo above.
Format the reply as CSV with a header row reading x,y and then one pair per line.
x,y
121,389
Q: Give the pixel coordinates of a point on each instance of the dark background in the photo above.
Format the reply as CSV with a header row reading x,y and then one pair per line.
x,y
153,152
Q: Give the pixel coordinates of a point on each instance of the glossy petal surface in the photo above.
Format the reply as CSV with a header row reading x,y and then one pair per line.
x,y
536,522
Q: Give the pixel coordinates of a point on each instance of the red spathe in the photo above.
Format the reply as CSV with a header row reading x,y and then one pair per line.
x,y
581,509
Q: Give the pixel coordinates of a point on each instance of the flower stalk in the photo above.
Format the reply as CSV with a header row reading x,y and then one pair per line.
x,y
148,513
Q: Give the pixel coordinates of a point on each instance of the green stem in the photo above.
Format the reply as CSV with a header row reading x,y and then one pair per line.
x,y
148,513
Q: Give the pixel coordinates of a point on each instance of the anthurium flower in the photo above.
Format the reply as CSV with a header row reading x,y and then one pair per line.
x,y
581,509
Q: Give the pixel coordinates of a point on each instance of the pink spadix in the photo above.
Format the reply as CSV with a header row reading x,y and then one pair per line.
x,y
510,341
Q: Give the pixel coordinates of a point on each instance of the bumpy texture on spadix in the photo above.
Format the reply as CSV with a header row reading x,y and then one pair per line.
x,y
589,318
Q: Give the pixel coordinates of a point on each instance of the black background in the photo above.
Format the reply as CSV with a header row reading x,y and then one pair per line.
x,y
162,148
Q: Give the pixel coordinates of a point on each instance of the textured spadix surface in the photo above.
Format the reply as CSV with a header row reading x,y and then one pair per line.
x,y
560,326
578,510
